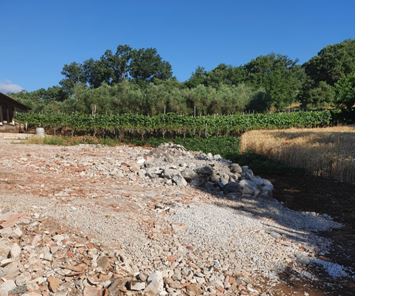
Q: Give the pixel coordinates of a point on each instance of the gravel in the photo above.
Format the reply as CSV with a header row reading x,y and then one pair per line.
x,y
253,242
199,240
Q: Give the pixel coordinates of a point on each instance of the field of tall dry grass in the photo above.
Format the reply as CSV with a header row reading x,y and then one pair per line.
x,y
328,152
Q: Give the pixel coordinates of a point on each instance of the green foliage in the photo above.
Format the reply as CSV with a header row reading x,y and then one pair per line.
x,y
332,65
40,99
139,81
278,75
74,74
199,76
345,92
147,65
319,97
171,124
158,98
222,74
282,85
140,65
69,140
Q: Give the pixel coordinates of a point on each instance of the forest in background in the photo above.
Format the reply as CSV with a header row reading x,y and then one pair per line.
x,y
140,81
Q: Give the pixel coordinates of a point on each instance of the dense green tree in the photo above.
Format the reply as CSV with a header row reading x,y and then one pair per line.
x,y
260,68
141,65
279,75
319,97
332,63
261,102
225,74
37,100
345,92
199,76
74,74
222,74
140,81
158,98
54,93
97,72
147,65
118,63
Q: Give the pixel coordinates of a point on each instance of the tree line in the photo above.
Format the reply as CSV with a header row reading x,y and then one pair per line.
x,y
140,81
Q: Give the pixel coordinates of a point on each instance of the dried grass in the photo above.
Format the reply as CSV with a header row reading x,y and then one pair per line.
x,y
328,152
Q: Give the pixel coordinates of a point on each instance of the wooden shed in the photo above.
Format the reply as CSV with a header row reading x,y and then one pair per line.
x,y
8,108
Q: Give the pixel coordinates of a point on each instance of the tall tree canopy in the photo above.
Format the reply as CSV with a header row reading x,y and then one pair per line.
x,y
279,75
332,64
139,80
140,65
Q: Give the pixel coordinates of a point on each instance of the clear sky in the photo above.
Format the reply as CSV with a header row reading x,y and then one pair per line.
x,y
38,37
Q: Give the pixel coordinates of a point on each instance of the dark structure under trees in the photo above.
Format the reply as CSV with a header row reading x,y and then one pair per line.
x,y
8,108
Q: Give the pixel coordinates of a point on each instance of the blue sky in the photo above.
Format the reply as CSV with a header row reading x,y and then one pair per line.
x,y
38,37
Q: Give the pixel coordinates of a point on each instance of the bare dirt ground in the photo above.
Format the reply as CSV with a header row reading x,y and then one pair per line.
x,y
173,240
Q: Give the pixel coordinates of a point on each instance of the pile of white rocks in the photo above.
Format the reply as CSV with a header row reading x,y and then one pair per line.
x,y
174,165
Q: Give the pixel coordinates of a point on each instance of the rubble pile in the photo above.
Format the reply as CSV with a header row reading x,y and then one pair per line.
x,y
173,164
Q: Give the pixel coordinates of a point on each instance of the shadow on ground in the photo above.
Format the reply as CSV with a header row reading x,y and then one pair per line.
x,y
298,191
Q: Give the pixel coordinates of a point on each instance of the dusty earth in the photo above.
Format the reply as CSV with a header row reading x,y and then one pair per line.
x,y
82,220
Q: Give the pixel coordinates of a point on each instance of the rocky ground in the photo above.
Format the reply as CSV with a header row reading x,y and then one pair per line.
x,y
91,220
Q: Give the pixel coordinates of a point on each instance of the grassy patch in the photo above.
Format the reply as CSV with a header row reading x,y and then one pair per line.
x,y
70,141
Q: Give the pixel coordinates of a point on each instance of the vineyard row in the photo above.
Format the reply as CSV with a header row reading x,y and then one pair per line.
x,y
173,125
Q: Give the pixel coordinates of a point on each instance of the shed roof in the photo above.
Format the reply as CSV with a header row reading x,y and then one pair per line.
x,y
8,100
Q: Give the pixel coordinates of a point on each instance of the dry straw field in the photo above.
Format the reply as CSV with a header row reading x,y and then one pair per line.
x,y
328,152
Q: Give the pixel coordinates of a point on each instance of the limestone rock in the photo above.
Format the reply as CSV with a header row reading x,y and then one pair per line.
x,y
6,287
15,251
156,284
136,286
